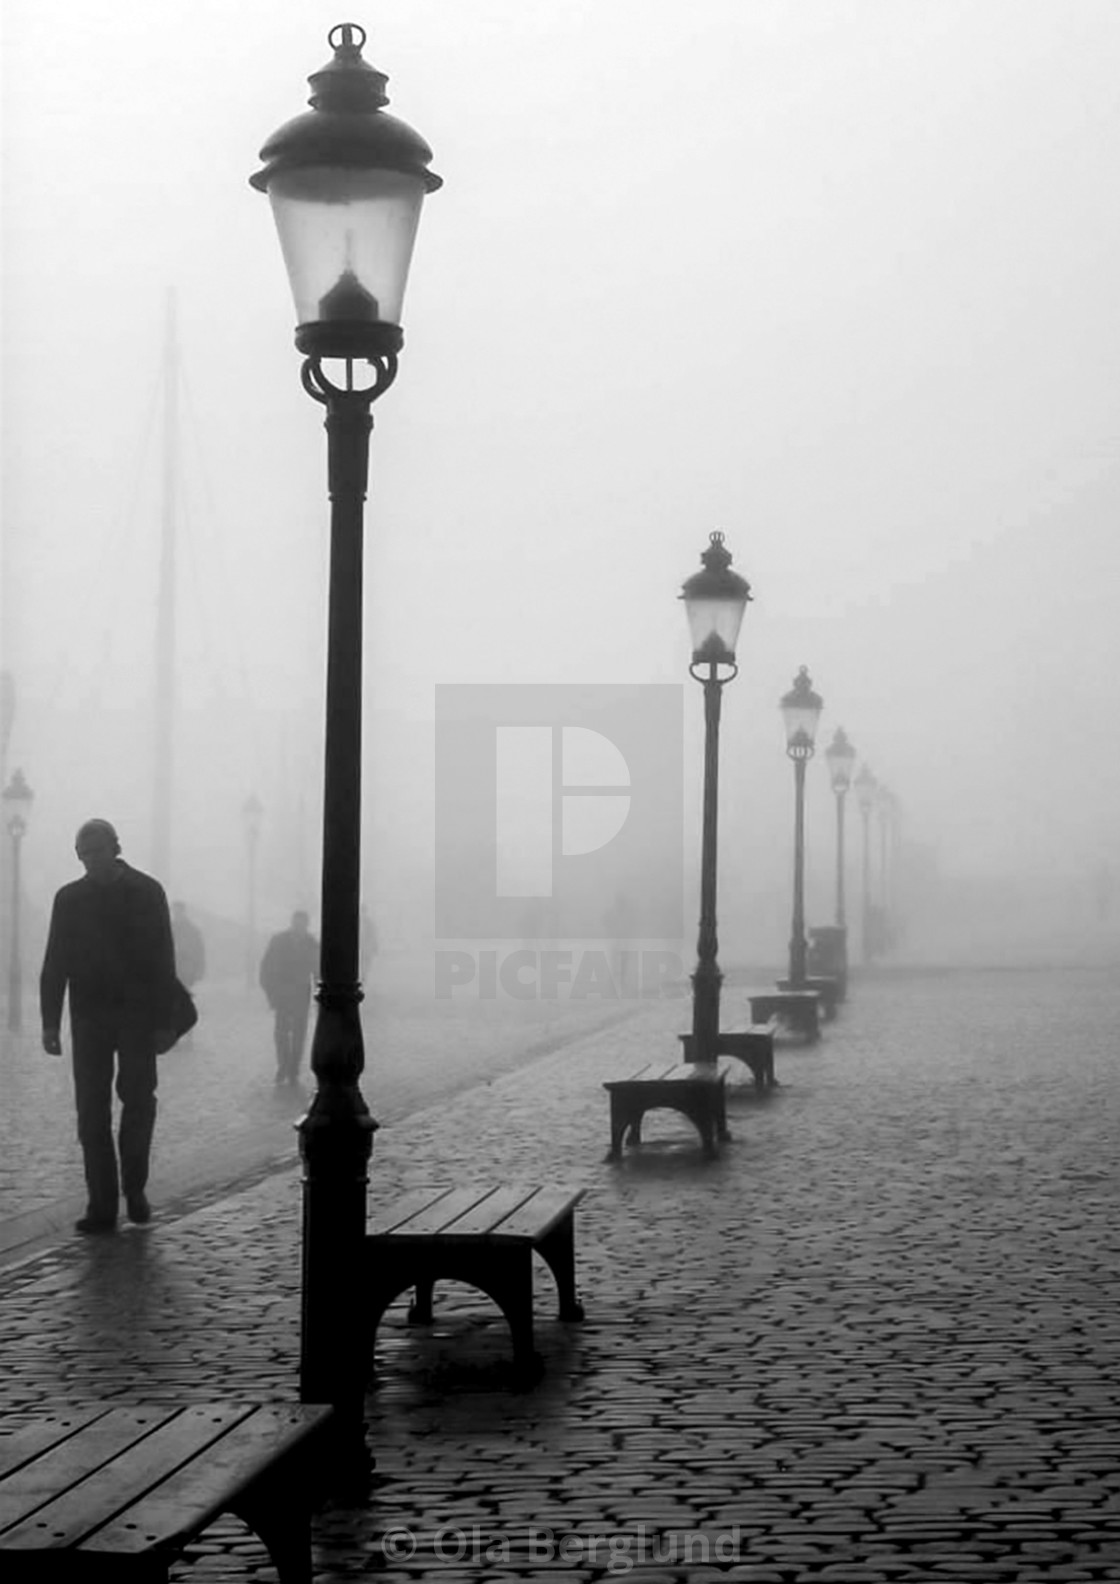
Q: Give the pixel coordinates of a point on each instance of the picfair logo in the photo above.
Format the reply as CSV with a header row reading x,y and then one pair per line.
x,y
558,811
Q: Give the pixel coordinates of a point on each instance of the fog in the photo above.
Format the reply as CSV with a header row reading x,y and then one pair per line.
x,y
837,280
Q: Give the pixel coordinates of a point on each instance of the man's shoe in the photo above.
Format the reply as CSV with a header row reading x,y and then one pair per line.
x,y
92,1225
139,1210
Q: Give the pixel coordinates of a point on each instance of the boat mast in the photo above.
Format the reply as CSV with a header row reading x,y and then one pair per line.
x,y
163,780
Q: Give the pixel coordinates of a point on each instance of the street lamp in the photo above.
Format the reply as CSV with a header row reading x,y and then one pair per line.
x,y
885,808
346,183
840,756
801,710
866,788
714,601
17,798
252,811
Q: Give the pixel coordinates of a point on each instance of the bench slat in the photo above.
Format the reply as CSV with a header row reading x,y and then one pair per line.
x,y
388,1217
23,1445
676,1072
642,1072
701,1072
653,1072
539,1214
184,1504
30,1487
75,1513
485,1216
439,1215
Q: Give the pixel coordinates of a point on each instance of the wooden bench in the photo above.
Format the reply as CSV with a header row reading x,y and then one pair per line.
x,y
828,956
827,986
485,1236
753,1045
696,1089
796,1009
116,1494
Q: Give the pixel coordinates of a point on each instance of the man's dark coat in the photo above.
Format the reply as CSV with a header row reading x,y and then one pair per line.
x,y
110,943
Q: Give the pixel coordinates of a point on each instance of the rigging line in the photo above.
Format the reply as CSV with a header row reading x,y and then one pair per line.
x,y
210,643
218,543
106,563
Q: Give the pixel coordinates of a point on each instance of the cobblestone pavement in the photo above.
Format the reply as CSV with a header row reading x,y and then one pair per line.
x,y
221,1117
878,1339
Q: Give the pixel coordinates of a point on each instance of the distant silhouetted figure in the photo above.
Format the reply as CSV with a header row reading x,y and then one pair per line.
x,y
190,948
288,967
110,946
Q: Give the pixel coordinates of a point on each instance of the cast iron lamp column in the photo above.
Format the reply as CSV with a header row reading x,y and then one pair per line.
x,y
840,757
346,183
801,709
252,812
17,799
884,808
715,600
866,787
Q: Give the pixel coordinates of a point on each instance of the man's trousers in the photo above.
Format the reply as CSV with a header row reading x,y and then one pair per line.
x,y
290,1033
96,1041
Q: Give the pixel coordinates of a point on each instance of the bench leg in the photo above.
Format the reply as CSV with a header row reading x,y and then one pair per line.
x,y
420,1309
558,1250
504,1273
626,1123
283,1522
507,1276
618,1127
702,1114
389,1275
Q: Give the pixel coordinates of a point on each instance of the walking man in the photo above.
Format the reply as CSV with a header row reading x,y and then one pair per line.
x,y
110,946
288,968
190,947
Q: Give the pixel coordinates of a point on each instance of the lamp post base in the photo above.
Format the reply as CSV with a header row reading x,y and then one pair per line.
x,y
706,983
336,1143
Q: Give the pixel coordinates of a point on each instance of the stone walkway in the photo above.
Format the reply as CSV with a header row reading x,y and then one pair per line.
x,y
877,1340
221,1117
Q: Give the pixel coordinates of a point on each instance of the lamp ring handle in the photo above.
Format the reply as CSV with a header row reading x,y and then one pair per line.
x,y
322,389
696,676
341,36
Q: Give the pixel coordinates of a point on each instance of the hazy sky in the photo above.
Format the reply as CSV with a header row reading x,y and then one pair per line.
x,y
839,279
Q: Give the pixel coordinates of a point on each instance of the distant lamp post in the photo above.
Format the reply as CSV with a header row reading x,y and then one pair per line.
x,y
17,798
866,788
346,183
801,710
714,601
840,757
252,812
884,809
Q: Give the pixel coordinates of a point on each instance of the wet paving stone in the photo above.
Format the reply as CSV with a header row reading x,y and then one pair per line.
x,y
879,1342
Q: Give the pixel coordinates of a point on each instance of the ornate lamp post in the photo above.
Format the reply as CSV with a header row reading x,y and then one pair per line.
x,y
714,601
252,811
346,183
17,798
866,787
801,710
840,756
885,810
